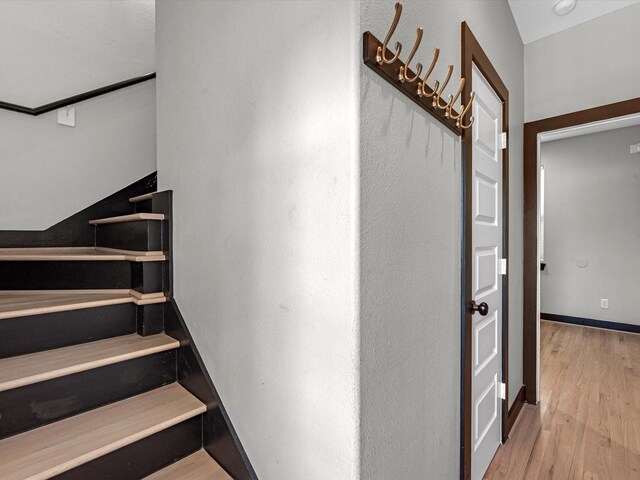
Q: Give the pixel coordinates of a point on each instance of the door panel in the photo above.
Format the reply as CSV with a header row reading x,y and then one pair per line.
x,y
486,128
486,272
486,413
486,238
486,200
486,342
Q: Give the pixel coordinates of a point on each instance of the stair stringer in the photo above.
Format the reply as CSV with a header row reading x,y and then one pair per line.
x,y
220,439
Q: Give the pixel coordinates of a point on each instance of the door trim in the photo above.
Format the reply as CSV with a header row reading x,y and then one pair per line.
x,y
530,241
472,53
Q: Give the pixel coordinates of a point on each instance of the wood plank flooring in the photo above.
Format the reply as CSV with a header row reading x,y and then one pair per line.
x,y
134,217
142,198
82,254
36,302
37,367
198,466
587,426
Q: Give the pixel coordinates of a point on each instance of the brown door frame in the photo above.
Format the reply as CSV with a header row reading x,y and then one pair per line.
x,y
531,266
472,53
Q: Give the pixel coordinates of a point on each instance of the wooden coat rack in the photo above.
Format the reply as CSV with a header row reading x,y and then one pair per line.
x,y
401,76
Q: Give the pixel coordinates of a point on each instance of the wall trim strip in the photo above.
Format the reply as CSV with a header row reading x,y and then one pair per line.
x,y
49,107
516,408
591,322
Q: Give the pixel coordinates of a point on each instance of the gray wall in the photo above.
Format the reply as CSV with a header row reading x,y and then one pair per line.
x,y
592,64
310,196
411,242
52,50
50,171
258,138
56,49
592,212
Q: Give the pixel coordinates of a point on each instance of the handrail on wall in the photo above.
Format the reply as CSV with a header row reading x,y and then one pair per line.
x,y
49,107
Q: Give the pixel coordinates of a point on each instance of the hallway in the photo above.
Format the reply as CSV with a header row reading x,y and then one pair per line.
x,y
587,425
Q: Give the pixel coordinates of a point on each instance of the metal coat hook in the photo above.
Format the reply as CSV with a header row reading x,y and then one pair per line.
x,y
414,85
438,95
402,76
452,101
381,56
464,111
421,90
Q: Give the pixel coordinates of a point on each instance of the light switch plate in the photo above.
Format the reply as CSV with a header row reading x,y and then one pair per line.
x,y
67,116
604,303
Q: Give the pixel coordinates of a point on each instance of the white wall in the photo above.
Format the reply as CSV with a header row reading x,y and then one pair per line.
x,y
275,138
56,49
592,212
258,138
592,64
50,172
411,245
52,50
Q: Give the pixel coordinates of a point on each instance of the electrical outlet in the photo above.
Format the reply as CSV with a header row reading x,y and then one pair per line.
x,y
635,148
604,303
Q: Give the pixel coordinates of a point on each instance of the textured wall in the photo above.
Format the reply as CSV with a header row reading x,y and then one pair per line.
x,y
411,245
257,136
591,64
273,267
592,212
52,50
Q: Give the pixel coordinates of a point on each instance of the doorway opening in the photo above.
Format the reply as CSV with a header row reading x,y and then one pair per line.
x,y
583,378
602,118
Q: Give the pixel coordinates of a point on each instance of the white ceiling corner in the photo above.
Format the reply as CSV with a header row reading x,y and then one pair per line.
x,y
536,19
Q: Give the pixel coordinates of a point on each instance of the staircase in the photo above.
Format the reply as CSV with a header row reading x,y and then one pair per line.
x,y
99,378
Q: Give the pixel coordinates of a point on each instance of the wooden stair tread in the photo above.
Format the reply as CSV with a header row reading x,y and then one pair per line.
x,y
134,217
32,302
78,254
37,367
197,466
58,447
141,198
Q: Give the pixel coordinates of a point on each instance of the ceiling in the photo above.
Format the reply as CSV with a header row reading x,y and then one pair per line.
x,y
536,19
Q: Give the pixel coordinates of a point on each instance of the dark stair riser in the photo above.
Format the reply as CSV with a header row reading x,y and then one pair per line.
x,y
142,235
37,333
143,207
34,405
146,277
144,457
64,275
150,319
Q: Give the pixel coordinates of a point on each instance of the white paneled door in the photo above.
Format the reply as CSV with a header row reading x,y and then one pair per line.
x,y
486,238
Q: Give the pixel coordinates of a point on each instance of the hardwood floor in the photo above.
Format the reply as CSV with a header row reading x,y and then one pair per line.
x,y
587,425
